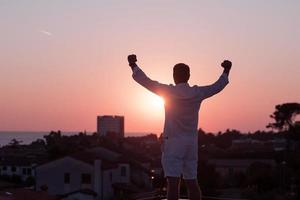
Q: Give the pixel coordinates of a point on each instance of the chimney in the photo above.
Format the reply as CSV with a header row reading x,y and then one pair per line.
x,y
97,179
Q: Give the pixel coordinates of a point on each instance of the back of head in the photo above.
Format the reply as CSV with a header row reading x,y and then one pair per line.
x,y
181,73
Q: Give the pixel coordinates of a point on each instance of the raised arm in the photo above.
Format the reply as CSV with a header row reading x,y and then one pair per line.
x,y
140,77
219,85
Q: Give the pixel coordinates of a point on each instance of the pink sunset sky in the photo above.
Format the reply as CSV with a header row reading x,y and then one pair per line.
x,y
64,62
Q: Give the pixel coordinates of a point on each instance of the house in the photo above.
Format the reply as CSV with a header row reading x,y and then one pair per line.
x,y
94,174
69,174
231,166
252,145
279,144
20,160
17,166
140,173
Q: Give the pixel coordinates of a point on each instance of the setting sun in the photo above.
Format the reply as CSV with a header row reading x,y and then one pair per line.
x,y
151,105
158,102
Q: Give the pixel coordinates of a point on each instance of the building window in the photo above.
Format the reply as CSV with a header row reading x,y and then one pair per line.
x,y
4,168
24,171
13,169
67,178
29,171
86,178
123,171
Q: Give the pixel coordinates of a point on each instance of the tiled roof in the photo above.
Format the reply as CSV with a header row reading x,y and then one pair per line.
x,y
91,157
109,159
16,161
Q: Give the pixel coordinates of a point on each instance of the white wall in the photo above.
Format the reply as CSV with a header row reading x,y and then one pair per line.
x,y
108,180
18,172
122,179
52,175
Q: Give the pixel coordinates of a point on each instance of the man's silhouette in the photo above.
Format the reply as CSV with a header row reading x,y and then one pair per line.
x,y
180,138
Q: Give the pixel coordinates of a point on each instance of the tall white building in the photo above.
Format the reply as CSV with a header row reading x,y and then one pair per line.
x,y
110,124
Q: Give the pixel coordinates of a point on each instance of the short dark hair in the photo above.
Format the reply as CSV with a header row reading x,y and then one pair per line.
x,y
181,73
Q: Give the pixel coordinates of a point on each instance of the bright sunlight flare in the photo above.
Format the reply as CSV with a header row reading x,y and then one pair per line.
x,y
151,104
158,102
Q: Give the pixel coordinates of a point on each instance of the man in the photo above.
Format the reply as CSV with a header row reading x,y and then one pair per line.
x,y
180,137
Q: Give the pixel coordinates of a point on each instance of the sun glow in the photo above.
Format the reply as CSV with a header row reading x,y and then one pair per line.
x,y
158,102
152,104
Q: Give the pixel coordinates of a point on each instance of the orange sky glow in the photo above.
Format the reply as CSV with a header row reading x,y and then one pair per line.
x,y
64,63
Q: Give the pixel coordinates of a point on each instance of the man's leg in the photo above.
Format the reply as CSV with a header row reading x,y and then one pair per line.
x,y
193,189
173,184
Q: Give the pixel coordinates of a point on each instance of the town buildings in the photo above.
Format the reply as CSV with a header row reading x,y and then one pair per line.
x,y
228,167
96,174
20,160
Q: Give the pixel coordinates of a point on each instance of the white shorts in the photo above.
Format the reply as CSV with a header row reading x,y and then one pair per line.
x,y
180,157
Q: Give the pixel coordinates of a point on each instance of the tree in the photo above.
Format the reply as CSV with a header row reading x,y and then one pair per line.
x,y
224,140
53,138
38,142
285,116
14,142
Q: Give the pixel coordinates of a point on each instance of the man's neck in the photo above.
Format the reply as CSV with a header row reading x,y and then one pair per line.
x,y
181,83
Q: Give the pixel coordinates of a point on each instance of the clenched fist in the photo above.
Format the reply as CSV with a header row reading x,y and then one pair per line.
x,y
131,59
226,64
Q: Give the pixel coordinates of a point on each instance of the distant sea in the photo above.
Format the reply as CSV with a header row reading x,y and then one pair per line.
x,y
29,136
